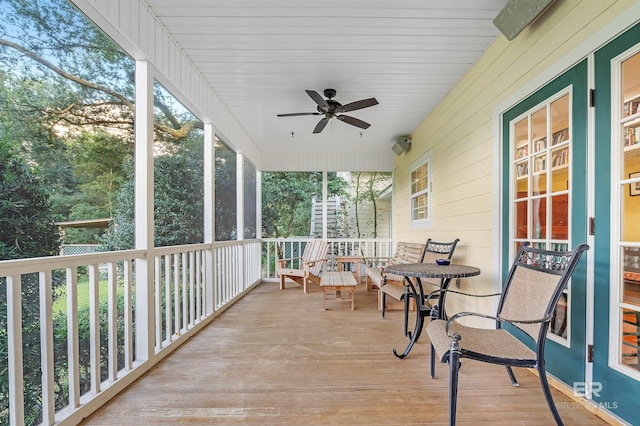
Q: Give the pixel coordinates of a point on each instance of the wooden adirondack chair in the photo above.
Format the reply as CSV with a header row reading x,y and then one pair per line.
x,y
310,265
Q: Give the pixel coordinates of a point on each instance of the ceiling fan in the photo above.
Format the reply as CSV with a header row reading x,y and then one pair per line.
x,y
330,108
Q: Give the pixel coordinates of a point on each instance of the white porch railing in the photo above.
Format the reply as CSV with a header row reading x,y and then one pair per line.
x,y
188,287
281,248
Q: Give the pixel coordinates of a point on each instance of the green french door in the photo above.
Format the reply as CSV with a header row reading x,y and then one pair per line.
x,y
616,332
544,163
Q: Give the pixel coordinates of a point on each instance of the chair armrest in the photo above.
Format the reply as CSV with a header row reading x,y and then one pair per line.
x,y
280,262
313,262
376,261
436,293
454,317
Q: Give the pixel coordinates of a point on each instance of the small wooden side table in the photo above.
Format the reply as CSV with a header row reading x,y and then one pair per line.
x,y
340,283
341,261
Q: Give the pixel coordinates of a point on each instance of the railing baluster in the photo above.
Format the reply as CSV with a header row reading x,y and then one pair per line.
x,y
128,317
192,296
94,327
112,318
198,285
14,341
185,312
158,301
46,347
176,294
72,337
167,298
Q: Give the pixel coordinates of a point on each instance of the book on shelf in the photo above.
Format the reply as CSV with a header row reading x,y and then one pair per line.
x,y
632,107
632,136
522,169
560,136
539,144
560,157
522,152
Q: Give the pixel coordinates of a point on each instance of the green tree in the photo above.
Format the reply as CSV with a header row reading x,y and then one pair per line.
x,y
178,201
287,201
369,187
26,230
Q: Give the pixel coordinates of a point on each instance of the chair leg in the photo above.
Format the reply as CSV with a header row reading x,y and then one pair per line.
x,y
434,316
281,282
547,394
512,376
432,370
384,302
454,367
406,312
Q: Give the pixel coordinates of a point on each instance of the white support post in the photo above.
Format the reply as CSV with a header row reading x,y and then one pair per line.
x,y
209,216
258,204
144,211
240,196
240,219
14,341
325,196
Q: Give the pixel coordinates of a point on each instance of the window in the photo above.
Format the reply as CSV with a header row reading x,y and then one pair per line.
x,y
541,152
421,190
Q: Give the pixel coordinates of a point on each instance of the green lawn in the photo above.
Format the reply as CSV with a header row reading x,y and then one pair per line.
x,y
60,305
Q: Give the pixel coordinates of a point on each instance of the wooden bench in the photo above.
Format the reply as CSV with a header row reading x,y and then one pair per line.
x,y
339,282
405,253
393,285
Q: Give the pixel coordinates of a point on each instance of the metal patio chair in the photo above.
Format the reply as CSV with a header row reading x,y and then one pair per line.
x,y
533,287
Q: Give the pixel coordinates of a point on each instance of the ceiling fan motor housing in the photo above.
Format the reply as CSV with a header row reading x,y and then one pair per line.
x,y
329,93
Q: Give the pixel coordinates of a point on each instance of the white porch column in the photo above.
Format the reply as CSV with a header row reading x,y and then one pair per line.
x,y
325,196
258,204
240,196
144,211
209,215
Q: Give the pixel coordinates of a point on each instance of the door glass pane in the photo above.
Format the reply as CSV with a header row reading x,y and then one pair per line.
x,y
628,302
560,217
521,136
629,339
630,114
539,218
521,219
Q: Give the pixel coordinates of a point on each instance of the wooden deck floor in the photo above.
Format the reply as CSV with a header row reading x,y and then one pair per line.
x,y
278,358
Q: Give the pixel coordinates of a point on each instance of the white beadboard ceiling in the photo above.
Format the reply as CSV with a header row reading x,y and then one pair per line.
x,y
259,56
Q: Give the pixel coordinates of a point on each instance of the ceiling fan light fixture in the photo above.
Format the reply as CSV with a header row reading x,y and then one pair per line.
x,y
330,108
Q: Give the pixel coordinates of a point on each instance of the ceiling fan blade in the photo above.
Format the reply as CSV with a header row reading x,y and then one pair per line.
x,y
353,121
322,103
364,103
295,114
321,125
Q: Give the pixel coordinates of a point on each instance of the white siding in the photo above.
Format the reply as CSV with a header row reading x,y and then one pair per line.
x,y
461,129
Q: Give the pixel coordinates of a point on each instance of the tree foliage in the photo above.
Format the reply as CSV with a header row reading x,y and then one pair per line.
x,y
26,230
67,102
287,201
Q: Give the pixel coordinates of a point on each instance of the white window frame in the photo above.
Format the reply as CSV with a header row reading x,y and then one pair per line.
x,y
427,159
